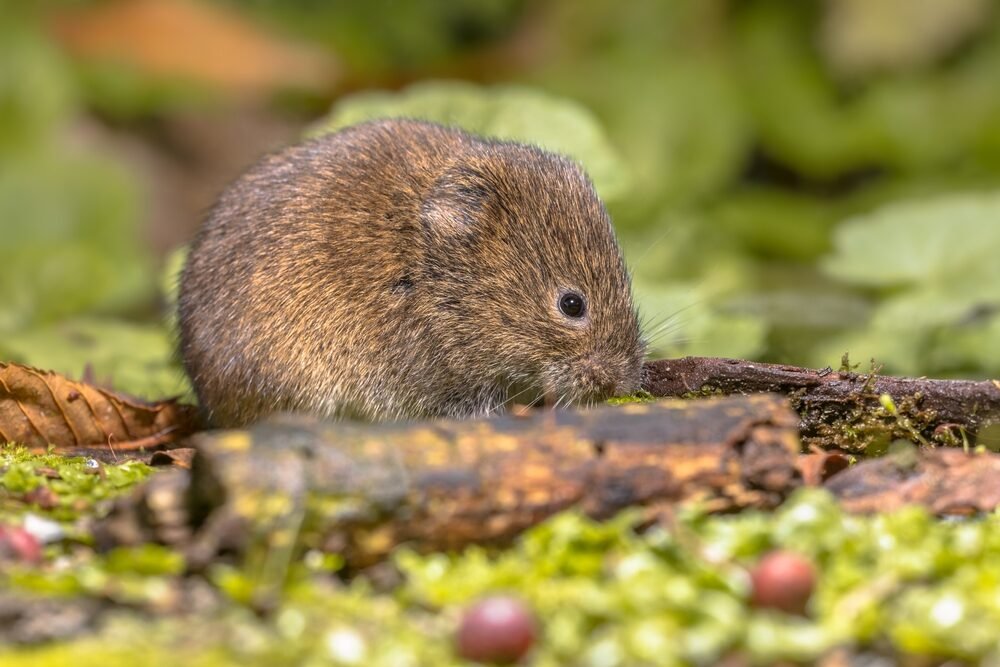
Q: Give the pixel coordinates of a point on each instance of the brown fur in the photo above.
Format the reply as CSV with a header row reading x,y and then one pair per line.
x,y
402,269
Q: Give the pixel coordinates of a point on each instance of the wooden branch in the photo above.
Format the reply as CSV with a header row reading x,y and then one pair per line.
x,y
360,490
842,409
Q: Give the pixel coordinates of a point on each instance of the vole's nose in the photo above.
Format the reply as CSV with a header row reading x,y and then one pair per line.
x,y
595,379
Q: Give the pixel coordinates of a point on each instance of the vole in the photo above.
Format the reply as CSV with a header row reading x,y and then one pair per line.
x,y
402,269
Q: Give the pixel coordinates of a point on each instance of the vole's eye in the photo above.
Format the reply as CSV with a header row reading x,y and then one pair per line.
x,y
572,305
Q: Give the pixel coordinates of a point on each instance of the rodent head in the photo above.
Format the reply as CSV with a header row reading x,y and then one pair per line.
x,y
527,279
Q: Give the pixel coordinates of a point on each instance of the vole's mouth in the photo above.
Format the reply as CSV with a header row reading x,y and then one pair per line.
x,y
584,383
553,388
555,397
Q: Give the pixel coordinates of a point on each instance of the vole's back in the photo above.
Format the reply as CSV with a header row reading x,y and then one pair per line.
x,y
291,278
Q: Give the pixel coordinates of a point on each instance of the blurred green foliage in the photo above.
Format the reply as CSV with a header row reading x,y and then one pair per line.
x,y
69,218
790,181
376,36
756,153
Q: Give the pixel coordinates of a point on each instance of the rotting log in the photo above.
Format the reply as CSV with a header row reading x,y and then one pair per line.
x,y
361,490
842,409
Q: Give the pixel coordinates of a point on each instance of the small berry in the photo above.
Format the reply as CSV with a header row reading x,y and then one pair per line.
x,y
782,580
499,630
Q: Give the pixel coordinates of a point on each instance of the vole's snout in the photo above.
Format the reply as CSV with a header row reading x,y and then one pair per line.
x,y
595,380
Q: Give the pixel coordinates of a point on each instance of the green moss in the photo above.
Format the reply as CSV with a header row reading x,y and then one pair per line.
x,y
902,581
637,397
78,485
869,428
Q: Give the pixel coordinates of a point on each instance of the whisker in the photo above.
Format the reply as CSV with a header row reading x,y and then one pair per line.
x,y
669,318
672,342
650,247
659,335
656,318
518,394
666,326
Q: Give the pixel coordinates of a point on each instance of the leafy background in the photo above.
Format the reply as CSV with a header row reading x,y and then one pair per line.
x,y
791,181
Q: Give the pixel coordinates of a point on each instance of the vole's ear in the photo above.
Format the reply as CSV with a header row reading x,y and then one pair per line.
x,y
459,200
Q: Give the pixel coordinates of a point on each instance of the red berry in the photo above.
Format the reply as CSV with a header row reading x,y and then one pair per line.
x,y
783,580
498,630
18,544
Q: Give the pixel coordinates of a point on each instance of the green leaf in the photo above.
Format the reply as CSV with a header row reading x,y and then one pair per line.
x,y
973,346
776,223
138,359
807,122
936,260
922,332
792,100
950,240
506,112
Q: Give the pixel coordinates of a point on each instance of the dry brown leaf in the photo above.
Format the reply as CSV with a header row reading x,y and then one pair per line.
x,y
42,408
195,41
818,466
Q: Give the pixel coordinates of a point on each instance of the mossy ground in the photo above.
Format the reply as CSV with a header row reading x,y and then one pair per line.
x,y
897,583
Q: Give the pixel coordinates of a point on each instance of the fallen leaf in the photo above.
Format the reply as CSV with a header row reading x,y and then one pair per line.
x,y
41,408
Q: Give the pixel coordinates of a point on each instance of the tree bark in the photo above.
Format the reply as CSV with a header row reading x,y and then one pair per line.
x,y
361,490
839,409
